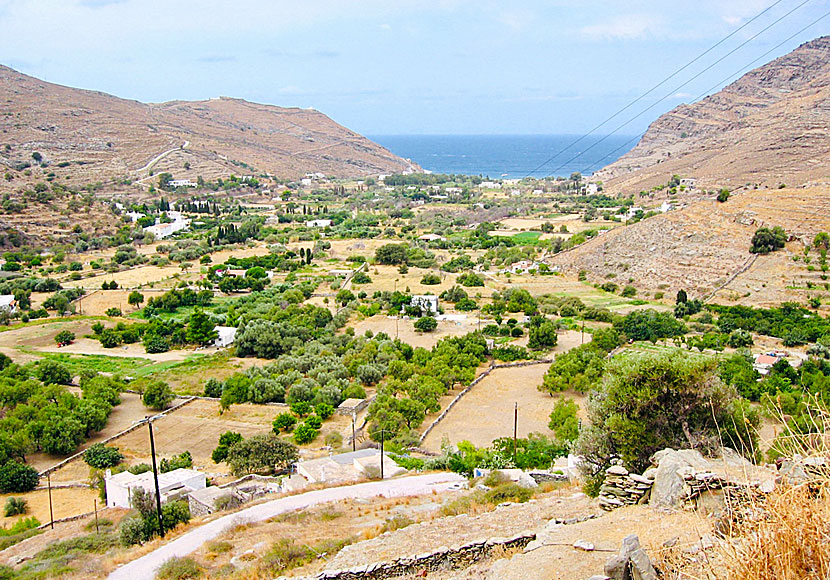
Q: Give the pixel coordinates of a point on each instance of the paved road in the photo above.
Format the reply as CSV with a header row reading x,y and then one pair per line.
x,y
145,567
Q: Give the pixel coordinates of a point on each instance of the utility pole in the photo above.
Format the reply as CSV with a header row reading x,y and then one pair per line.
x,y
515,427
583,333
51,514
354,440
149,421
381,454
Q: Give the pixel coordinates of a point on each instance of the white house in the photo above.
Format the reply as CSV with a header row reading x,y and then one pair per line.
x,y
7,303
161,231
431,238
763,362
225,336
172,485
688,182
426,302
590,189
181,183
134,216
318,223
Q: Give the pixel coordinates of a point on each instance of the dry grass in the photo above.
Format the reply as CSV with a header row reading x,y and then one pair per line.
x,y
781,536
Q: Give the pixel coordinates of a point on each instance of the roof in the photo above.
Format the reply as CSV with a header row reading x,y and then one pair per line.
x,y
6,299
766,359
350,403
127,479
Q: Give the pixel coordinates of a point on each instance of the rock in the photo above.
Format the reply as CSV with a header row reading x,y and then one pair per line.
x,y
617,470
641,568
630,544
616,568
584,545
599,577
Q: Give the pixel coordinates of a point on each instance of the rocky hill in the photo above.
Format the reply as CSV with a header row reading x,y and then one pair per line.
x,y
770,127
86,136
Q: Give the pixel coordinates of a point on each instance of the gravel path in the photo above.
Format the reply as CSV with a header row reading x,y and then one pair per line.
x,y
145,567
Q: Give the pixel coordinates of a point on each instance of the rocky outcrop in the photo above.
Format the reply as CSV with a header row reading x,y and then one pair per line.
x,y
682,476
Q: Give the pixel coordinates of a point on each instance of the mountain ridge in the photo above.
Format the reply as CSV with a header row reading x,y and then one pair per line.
x,y
119,137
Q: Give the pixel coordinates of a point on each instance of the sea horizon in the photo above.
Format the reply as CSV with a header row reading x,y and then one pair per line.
x,y
509,156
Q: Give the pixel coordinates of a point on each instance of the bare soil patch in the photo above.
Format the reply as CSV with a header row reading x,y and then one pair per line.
x,y
404,329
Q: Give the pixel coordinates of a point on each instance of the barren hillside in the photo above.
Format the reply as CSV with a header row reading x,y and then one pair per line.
x,y
701,247
769,127
98,137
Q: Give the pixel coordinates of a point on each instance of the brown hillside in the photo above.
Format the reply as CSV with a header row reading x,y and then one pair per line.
x,y
104,137
770,127
700,248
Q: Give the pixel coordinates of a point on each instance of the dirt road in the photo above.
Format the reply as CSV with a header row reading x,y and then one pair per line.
x,y
145,567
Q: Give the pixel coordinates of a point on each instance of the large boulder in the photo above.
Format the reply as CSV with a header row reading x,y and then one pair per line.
x,y
682,474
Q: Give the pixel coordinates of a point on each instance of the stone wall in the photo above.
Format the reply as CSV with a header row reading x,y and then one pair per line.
x,y
442,559
622,488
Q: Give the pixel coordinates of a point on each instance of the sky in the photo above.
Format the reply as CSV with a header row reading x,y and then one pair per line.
x,y
407,66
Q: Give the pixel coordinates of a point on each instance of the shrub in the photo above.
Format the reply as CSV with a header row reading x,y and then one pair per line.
x,y
629,292
508,492
305,433
17,477
113,312
314,422
15,506
64,337
431,279
542,336
470,279
100,456
563,420
181,461
261,453
324,410
426,324
157,395
766,240
179,569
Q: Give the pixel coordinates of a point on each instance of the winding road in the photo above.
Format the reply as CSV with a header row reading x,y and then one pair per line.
x,y
162,155
146,566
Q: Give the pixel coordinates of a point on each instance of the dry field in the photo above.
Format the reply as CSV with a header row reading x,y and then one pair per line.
x,y
404,329
97,302
486,412
196,427
66,502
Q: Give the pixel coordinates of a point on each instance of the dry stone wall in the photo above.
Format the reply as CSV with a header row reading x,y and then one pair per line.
x,y
442,559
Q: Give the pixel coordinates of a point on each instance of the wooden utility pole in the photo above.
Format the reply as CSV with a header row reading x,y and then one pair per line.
x,y
515,427
51,514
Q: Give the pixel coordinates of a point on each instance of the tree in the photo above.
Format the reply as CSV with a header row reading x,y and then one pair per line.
x,y
392,254
723,195
226,440
768,240
261,453
17,477
426,324
822,241
183,460
542,336
101,456
200,328
64,337
135,298
682,297
649,325
284,422
54,373
157,395
649,402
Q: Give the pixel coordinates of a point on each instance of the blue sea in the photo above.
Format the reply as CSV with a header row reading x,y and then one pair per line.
x,y
509,156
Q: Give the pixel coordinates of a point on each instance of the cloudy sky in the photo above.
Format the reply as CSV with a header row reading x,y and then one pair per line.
x,y
403,66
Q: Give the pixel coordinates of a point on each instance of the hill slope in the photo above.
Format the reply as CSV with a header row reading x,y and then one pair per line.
x,y
106,137
769,127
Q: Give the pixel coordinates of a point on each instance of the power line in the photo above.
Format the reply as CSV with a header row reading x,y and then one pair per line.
x,y
672,92
652,89
721,83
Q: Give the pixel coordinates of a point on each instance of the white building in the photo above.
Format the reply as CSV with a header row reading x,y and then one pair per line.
x,y
426,302
161,231
431,238
348,467
172,485
134,216
7,303
590,189
318,223
181,183
225,336
688,182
